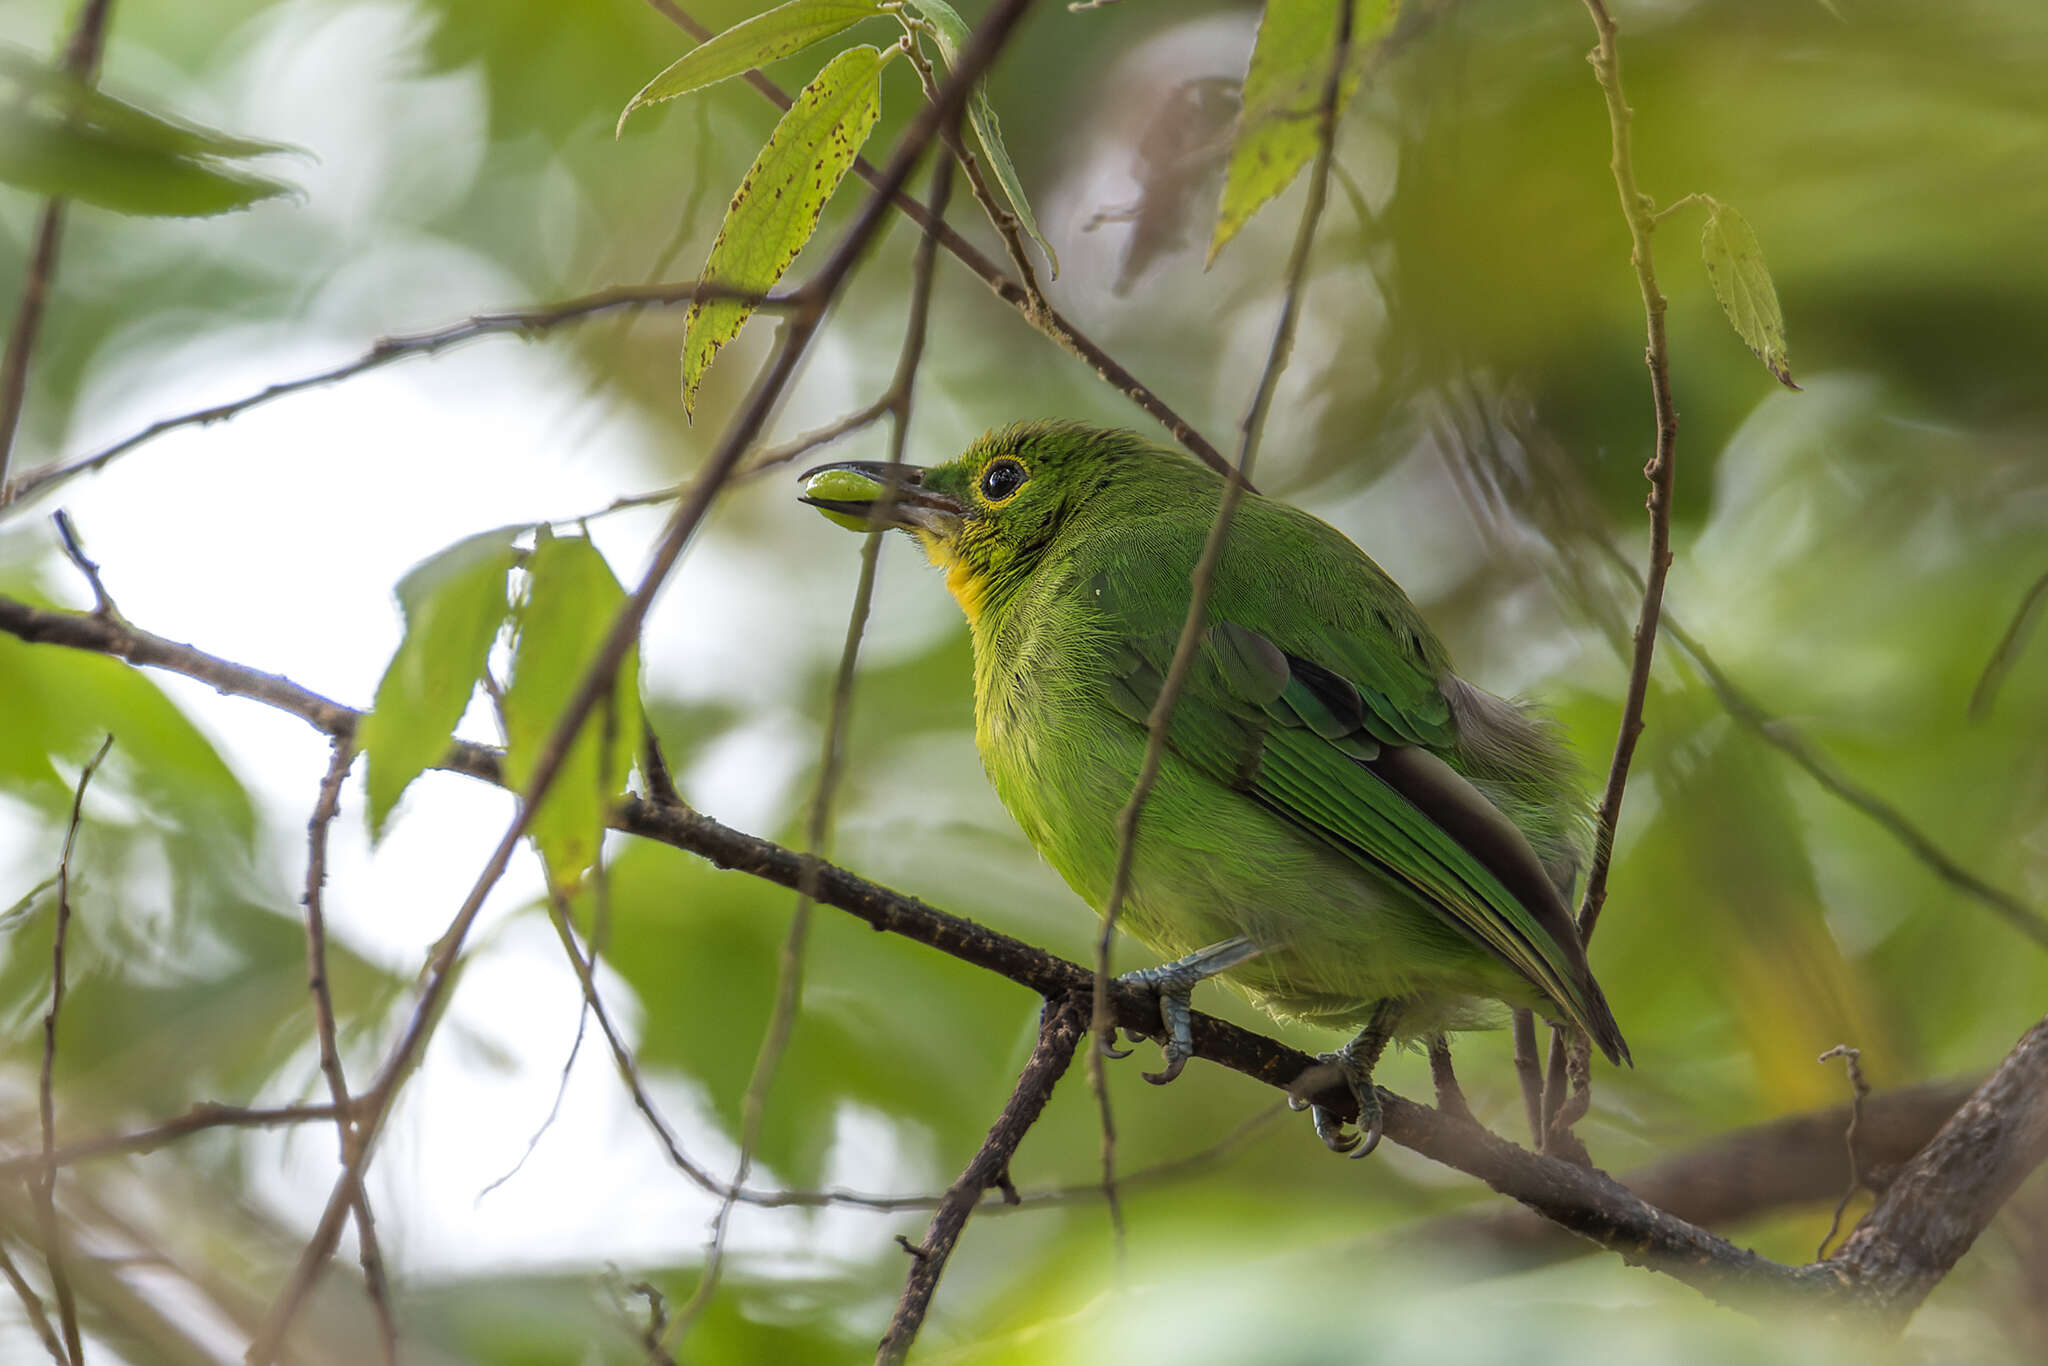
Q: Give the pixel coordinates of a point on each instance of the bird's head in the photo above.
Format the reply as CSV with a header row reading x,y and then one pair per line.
x,y
990,516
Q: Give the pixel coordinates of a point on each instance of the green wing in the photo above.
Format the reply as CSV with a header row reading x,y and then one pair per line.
x,y
1345,753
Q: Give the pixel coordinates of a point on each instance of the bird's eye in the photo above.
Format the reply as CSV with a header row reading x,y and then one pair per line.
x,y
1001,479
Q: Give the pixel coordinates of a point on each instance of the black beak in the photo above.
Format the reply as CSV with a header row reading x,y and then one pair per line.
x,y
913,507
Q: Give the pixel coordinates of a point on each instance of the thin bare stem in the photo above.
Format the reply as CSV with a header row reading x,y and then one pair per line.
x,y
1199,586
74,551
1640,214
523,322
81,59
32,1307
201,1117
371,1253
46,1097
1059,1031
1660,471
1529,1072
831,763
1004,221
982,48
2008,651
1859,1089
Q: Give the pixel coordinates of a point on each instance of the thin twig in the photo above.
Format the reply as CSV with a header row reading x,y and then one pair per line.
x,y
1852,1058
1529,1073
1047,320
1199,585
1059,1030
803,323
46,1097
831,762
81,59
1780,735
201,1117
1002,219
74,551
1660,471
1639,212
523,322
370,1252
32,1306
2008,651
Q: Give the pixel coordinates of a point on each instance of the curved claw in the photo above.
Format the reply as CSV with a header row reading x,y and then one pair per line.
x,y
1372,1133
1330,1129
1176,1062
1106,1041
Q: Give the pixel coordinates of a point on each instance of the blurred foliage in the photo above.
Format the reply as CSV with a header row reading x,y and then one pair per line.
x,y
1467,401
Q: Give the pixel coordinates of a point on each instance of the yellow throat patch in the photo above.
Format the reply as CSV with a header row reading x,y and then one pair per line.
x,y
963,580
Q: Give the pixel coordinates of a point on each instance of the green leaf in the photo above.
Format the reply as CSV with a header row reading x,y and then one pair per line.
x,y
776,208
755,42
60,137
1742,282
952,33
571,602
454,603
1283,89
65,95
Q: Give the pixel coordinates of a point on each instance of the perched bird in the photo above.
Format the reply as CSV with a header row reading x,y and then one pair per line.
x,y
1342,828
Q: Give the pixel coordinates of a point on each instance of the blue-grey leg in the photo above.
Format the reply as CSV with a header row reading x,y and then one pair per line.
x,y
1354,1064
1172,983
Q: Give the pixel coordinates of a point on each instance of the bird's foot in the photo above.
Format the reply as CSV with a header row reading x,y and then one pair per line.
x,y
1329,1128
1172,983
1353,1065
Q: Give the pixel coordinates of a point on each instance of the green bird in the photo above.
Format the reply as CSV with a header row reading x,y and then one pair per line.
x,y
1342,828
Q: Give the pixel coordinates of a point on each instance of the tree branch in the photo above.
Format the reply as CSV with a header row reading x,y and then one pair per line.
x,y
1785,1164
1582,1200
1934,1209
2007,1113
1059,1030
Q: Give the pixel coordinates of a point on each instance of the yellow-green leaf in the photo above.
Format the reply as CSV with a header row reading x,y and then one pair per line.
x,y
776,208
1735,265
571,601
952,33
754,42
1277,123
454,604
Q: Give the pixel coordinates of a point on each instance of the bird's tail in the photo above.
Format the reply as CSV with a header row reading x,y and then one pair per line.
x,y
1599,1023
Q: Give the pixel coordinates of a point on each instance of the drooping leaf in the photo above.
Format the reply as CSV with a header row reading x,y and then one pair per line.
x,y
454,603
776,208
1742,282
61,137
781,32
952,33
1278,120
571,601
72,98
